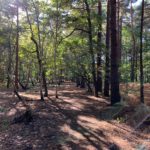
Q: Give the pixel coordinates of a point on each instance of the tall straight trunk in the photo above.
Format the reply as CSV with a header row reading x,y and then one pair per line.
x,y
9,68
133,46
115,92
90,34
44,80
119,26
9,61
55,51
99,48
107,62
141,56
17,49
119,33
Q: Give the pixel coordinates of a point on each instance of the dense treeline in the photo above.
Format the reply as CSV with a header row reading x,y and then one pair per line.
x,y
96,43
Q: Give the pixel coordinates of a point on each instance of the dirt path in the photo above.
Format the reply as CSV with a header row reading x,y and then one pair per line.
x,y
72,122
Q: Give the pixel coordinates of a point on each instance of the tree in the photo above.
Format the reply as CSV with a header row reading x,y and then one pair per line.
x,y
9,67
99,54
115,92
133,46
91,51
17,45
56,46
141,56
37,45
107,54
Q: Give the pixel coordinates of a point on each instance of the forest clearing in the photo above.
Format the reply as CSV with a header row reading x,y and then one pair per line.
x,y
74,75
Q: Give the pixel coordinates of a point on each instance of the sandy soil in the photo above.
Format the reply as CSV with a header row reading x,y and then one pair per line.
x,y
71,122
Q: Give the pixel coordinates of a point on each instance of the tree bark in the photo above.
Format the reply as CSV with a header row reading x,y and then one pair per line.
x,y
141,56
91,47
17,48
82,85
119,26
9,70
107,62
37,53
77,82
119,32
133,46
44,83
99,48
115,92
40,66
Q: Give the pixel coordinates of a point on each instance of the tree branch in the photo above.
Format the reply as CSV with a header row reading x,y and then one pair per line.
x,y
75,29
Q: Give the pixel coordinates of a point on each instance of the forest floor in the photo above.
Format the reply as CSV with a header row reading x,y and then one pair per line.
x,y
74,121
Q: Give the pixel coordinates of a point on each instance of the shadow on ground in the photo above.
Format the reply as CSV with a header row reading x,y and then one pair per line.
x,y
71,122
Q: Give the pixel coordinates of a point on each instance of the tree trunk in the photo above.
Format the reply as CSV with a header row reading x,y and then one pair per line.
x,y
9,62
37,53
107,63
141,56
40,66
99,48
17,49
115,92
44,83
77,82
82,85
55,50
133,46
91,47
119,31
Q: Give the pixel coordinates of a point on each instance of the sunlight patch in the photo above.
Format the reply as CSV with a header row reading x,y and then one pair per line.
x,y
92,122
12,112
74,135
98,99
